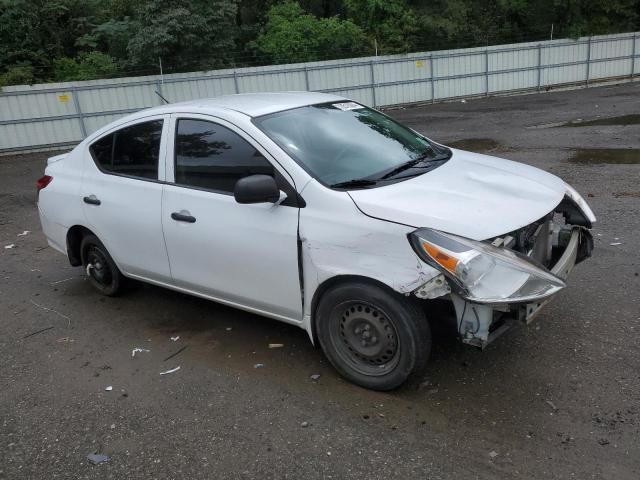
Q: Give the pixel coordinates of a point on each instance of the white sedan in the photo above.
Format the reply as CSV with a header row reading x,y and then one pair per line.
x,y
320,212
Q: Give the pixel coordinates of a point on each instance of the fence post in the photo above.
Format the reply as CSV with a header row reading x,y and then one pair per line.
x,y
433,76
588,59
633,56
486,72
76,102
235,80
373,84
306,77
539,66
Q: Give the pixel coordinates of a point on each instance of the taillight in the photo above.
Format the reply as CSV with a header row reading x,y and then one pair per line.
x,y
42,183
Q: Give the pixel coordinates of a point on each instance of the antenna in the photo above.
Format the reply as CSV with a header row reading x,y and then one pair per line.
x,y
160,95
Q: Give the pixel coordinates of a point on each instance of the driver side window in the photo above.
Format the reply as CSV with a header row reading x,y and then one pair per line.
x,y
212,157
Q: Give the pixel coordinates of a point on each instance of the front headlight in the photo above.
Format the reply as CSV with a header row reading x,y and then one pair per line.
x,y
484,273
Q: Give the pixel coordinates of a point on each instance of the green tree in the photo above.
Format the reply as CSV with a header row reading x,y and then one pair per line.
x,y
88,66
184,33
390,24
292,35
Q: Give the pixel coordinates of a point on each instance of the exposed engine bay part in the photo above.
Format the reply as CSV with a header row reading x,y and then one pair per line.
x,y
434,288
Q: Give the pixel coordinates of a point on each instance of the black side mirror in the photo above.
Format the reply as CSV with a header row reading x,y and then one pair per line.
x,y
256,189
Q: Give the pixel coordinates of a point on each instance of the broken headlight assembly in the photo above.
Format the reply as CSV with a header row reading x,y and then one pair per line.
x,y
483,273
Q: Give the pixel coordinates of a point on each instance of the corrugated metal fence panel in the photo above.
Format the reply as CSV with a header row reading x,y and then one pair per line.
x,y
63,113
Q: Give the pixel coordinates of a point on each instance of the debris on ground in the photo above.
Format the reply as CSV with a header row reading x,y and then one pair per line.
x,y
493,454
62,281
138,350
175,339
11,245
258,365
552,405
276,345
615,243
176,353
47,309
304,424
26,232
97,458
109,388
228,329
603,442
315,377
37,332
65,340
170,371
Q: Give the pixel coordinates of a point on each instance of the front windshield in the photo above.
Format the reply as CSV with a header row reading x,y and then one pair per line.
x,y
342,142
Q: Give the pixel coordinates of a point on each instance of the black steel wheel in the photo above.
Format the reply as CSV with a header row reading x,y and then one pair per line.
x,y
101,270
371,335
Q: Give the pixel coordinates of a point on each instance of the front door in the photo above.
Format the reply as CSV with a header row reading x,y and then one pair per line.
x,y
244,255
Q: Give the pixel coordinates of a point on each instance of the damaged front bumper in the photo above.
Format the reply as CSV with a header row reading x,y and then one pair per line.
x,y
480,324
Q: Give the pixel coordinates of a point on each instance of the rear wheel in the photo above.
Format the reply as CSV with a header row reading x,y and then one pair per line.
x,y
374,337
102,271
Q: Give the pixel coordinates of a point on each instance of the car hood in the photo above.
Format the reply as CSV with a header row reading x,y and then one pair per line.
x,y
472,195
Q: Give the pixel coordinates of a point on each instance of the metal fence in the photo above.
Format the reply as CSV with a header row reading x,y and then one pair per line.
x,y
50,116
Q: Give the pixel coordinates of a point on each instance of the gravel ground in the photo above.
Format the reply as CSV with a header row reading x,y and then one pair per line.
x,y
557,399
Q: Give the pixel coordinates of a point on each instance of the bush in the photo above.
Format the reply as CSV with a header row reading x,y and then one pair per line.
x,y
88,66
18,75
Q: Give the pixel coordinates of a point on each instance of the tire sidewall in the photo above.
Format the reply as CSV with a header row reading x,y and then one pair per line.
x,y
412,329
112,288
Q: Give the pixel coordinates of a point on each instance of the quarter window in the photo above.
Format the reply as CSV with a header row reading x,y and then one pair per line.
x,y
131,151
210,156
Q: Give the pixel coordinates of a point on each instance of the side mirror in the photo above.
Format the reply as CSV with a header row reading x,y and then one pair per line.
x,y
256,189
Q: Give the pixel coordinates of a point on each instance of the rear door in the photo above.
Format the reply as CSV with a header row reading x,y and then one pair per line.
x,y
122,195
245,255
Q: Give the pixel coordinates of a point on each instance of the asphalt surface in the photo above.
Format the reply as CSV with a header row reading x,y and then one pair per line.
x,y
557,399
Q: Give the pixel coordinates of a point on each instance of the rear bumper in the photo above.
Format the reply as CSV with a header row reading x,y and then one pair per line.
x,y
54,232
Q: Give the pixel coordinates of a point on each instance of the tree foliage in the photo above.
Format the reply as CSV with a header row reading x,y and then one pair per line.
x,y
290,34
57,40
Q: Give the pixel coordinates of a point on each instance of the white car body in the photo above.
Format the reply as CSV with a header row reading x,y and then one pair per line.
x,y
272,259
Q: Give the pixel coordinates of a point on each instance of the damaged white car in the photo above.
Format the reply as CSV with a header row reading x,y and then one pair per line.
x,y
319,212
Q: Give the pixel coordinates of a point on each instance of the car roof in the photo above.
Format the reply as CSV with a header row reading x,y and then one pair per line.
x,y
257,104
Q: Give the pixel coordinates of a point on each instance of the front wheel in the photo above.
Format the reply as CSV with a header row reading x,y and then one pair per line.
x,y
372,336
102,271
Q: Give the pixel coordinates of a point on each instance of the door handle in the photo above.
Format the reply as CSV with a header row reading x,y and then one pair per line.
x,y
92,200
183,217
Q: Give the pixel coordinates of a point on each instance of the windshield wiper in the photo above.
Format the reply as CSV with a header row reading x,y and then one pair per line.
x,y
412,163
358,182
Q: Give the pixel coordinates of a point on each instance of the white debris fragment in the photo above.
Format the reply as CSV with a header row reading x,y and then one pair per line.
x,y
175,339
493,454
228,329
463,101
108,389
9,246
276,345
26,232
138,350
170,371
615,243
258,365
315,377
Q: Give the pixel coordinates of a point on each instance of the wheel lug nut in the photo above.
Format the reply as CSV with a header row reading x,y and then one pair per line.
x,y
358,330
367,327
374,339
366,335
363,343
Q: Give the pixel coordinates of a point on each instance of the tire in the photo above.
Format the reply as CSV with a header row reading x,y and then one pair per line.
x,y
102,271
372,336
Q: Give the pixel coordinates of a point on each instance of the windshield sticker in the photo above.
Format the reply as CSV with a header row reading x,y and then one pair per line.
x,y
346,106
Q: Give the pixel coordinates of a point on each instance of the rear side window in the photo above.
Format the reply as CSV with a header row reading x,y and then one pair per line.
x,y
210,156
132,151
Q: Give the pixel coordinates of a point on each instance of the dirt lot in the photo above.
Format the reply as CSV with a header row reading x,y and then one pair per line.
x,y
557,399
